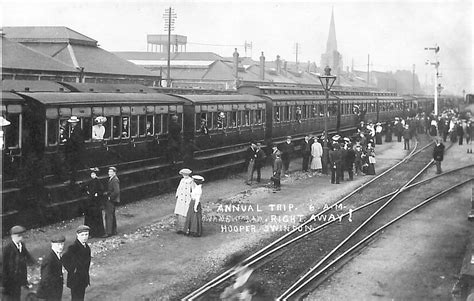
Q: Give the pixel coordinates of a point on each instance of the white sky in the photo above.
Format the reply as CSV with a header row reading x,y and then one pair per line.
x,y
394,33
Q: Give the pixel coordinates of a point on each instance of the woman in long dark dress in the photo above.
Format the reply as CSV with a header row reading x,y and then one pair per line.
x,y
193,224
371,157
93,213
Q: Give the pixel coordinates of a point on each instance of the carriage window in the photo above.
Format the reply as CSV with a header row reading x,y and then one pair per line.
x,y
134,126
276,114
12,131
258,117
246,118
239,118
233,119
87,128
158,124
125,128
165,118
221,120
148,125
53,125
108,127
63,131
286,113
117,128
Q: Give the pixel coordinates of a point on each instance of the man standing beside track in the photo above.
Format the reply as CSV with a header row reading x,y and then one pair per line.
x,y
113,198
287,148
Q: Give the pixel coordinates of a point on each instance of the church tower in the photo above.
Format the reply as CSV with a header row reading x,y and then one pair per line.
x,y
332,57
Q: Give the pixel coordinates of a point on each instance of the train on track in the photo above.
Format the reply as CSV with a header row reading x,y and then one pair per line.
x,y
217,126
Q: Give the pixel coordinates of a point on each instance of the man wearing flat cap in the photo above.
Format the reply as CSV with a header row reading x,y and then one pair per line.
x,y
287,148
15,259
113,199
77,261
51,285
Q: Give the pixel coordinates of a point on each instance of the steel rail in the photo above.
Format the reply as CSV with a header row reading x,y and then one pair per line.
x,y
289,291
375,232
250,260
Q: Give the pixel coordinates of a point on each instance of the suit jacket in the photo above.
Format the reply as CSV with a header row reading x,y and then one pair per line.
x,y
14,266
51,284
113,190
286,150
75,143
77,261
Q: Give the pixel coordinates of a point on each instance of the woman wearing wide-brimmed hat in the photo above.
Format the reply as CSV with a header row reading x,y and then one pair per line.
x,y
193,225
93,211
98,129
183,199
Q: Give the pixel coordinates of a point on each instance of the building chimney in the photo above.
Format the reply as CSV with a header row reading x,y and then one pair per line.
x,y
278,65
285,65
236,64
262,67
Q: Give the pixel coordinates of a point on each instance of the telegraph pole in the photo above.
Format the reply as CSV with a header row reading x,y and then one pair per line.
x,y
413,81
436,64
169,17
368,70
296,50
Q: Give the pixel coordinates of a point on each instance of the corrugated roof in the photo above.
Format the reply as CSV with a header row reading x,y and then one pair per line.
x,y
16,56
102,98
32,85
45,34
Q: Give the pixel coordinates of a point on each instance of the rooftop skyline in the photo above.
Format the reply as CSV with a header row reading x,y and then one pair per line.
x,y
394,33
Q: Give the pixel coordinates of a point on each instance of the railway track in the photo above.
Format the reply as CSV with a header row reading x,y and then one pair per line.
x,y
262,260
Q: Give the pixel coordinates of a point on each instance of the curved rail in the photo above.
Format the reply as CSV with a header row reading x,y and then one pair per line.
x,y
300,283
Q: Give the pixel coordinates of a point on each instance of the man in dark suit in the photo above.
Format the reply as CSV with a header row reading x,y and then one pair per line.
x,y
77,261
51,285
15,259
335,161
113,198
259,161
306,152
74,147
250,157
287,148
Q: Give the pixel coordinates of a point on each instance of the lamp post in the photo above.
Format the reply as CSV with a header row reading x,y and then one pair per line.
x,y
327,80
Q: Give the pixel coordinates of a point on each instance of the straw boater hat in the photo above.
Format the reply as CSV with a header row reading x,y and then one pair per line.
x,y
4,122
100,119
185,171
94,169
336,137
198,179
73,119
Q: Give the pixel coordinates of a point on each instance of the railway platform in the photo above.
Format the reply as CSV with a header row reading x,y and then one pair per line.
x,y
149,260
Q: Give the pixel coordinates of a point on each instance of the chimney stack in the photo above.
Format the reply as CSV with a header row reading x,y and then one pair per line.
x,y
285,67
262,67
278,65
236,64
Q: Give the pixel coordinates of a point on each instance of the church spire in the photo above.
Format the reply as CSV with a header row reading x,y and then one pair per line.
x,y
332,43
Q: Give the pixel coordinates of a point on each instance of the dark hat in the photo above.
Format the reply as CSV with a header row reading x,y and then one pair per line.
x,y
58,238
113,168
94,169
17,230
82,228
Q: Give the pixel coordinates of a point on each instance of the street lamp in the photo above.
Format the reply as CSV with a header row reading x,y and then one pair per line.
x,y
327,80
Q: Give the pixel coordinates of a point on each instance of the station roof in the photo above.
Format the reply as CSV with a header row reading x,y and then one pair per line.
x,y
17,56
9,97
32,86
47,34
102,98
163,56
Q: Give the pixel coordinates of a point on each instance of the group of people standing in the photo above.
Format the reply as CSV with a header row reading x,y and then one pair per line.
x,y
188,209
76,261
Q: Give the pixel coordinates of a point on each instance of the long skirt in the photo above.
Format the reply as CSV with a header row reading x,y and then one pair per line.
x,y
180,222
316,163
371,169
93,219
193,224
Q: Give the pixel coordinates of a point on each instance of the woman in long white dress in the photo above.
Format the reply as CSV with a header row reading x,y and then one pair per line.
x,y
316,153
183,199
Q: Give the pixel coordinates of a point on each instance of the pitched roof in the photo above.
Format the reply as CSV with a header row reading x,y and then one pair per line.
x,y
47,34
16,56
175,56
32,85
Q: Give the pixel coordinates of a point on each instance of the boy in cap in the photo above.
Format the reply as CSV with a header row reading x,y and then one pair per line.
x,y
15,259
277,165
51,284
77,260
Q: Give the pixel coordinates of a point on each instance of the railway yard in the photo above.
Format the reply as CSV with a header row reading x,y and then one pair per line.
x,y
418,257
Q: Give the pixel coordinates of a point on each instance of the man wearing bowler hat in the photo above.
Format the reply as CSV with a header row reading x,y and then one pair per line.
x,y
77,261
51,285
113,199
15,259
